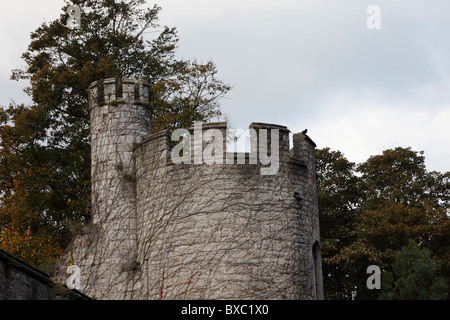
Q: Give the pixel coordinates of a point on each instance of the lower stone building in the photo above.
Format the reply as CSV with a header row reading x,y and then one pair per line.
x,y
21,281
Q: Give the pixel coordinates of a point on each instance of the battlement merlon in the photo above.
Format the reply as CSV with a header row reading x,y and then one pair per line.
x,y
302,146
116,89
283,135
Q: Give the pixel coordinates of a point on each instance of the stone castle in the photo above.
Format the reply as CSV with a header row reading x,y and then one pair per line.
x,y
162,230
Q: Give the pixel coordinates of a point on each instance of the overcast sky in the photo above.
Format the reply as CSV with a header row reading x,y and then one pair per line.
x,y
304,64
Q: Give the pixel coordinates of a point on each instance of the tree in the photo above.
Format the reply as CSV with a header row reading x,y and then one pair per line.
x,y
401,201
414,276
338,196
51,136
391,199
192,95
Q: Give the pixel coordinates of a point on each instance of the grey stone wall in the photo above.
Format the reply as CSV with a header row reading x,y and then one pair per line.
x,y
193,231
21,281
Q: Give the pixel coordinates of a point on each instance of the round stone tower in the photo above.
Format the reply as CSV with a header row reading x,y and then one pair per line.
x,y
224,230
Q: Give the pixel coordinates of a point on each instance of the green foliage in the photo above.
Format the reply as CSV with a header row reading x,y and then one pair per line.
x,y
192,95
413,276
338,195
370,211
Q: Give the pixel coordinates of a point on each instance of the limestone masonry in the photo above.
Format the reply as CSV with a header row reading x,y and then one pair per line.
x,y
162,230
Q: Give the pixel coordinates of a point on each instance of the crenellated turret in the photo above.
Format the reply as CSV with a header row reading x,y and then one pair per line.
x,y
120,118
